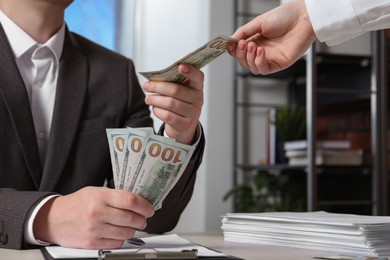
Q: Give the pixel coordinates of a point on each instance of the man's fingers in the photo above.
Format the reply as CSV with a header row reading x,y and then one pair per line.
x,y
195,76
99,243
116,233
170,104
191,92
125,200
124,218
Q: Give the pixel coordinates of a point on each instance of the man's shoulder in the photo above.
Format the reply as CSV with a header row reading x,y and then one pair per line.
x,y
93,49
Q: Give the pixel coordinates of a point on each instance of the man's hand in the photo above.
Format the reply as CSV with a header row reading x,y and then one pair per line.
x,y
93,217
275,40
179,106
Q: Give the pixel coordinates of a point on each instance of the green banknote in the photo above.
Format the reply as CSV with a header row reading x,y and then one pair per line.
x,y
198,58
147,164
134,148
159,168
117,139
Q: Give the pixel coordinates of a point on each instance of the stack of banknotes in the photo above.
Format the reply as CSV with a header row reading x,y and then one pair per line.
x,y
145,163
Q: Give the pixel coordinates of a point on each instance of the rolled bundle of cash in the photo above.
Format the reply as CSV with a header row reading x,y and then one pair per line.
x,y
145,163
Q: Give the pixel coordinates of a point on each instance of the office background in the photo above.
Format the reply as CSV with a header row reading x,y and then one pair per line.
x,y
157,33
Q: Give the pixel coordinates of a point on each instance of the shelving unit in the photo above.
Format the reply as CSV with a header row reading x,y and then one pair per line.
x,y
379,111
306,80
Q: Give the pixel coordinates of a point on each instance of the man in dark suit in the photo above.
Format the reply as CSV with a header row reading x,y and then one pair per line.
x,y
58,94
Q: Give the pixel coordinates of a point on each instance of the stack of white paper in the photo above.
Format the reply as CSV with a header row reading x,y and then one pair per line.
x,y
347,234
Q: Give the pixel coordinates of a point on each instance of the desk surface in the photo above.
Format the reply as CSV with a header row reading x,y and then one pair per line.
x,y
214,241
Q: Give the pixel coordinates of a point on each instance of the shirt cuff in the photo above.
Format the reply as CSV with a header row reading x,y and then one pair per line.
x,y
198,134
28,228
333,21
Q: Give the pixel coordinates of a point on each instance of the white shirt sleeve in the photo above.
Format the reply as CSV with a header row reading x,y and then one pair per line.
x,y
198,134
336,21
28,229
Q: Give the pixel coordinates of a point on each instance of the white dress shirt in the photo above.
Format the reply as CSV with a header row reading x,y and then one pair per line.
x,y
38,66
336,21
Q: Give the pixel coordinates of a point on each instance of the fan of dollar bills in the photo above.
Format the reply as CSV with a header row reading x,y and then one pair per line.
x,y
145,163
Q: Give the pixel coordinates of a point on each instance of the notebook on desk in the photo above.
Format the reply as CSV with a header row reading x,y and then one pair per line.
x,y
163,246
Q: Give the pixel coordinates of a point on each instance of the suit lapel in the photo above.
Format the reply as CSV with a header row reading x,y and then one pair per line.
x,y
14,94
71,90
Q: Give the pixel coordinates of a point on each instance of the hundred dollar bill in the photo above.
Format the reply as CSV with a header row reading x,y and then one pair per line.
x,y
160,166
198,58
148,130
117,139
133,149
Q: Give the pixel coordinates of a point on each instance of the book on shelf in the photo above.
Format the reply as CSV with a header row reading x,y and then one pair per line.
x,y
326,152
345,234
327,160
326,157
324,144
329,153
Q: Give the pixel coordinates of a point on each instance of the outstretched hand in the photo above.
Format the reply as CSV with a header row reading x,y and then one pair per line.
x,y
275,40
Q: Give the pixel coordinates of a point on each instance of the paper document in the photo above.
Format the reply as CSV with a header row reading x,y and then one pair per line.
x,y
163,243
348,234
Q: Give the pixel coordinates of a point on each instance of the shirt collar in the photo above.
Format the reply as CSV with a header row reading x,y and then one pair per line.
x,y
21,42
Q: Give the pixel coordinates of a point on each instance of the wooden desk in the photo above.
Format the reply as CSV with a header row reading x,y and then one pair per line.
x,y
215,241
253,251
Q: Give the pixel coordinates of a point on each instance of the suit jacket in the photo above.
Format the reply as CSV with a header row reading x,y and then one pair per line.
x,y
97,89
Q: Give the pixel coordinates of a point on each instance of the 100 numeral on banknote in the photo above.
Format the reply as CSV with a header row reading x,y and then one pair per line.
x,y
147,164
198,58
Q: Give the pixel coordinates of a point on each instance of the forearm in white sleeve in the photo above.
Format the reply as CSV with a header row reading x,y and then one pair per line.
x,y
336,21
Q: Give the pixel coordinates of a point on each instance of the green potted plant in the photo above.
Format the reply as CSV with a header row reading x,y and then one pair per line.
x,y
283,190
290,124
